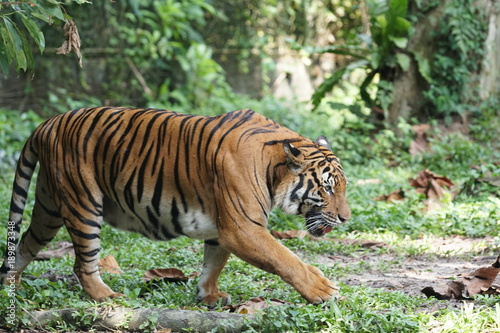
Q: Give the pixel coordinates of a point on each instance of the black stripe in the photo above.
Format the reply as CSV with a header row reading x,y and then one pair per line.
x,y
50,212
152,219
147,131
293,195
27,163
156,200
141,173
20,190
212,242
4,269
88,273
91,253
22,174
15,208
242,210
81,234
125,153
177,180
40,241
128,193
174,212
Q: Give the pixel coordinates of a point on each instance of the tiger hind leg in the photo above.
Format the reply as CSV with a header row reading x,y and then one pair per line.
x,y
214,260
84,232
45,223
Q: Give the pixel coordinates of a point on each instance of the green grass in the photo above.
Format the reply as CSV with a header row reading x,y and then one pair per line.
x,y
473,213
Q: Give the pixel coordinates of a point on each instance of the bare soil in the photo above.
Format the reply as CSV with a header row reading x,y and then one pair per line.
x,y
442,260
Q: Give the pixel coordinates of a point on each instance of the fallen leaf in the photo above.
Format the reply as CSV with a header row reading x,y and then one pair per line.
x,y
494,289
164,330
420,144
433,186
465,286
71,41
289,234
167,274
63,248
430,184
254,305
109,264
481,279
398,195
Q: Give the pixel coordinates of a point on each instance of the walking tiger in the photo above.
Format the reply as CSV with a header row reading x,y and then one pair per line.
x,y
164,174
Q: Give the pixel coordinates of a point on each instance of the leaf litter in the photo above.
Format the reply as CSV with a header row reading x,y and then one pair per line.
x,y
434,187
478,282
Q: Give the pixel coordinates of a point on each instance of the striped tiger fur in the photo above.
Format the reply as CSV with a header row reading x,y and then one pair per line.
x,y
164,174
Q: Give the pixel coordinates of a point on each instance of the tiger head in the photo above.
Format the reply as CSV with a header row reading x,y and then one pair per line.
x,y
314,186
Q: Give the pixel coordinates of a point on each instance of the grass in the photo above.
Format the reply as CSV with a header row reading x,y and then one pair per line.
x,y
404,226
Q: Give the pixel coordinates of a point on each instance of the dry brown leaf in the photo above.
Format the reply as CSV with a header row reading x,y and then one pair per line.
x,y
481,279
164,330
398,195
254,305
167,274
289,234
63,248
420,144
467,285
494,289
109,264
433,186
71,41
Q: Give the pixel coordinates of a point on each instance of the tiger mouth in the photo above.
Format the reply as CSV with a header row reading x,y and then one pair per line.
x,y
317,225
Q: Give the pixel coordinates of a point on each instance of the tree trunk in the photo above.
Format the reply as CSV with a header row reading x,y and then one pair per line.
x,y
408,100
490,72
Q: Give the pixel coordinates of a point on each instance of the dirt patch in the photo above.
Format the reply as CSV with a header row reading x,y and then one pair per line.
x,y
439,261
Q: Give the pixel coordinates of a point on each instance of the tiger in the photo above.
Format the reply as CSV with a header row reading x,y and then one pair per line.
x,y
165,174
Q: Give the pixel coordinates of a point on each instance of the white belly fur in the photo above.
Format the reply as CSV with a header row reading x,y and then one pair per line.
x,y
194,223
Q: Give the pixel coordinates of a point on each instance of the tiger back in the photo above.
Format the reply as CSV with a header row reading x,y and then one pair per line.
x,y
164,174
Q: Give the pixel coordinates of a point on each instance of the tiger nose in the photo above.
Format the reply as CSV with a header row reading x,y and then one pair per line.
x,y
343,219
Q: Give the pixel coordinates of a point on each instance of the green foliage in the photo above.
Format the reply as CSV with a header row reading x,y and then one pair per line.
x,y
364,310
141,53
20,20
448,70
163,40
460,49
14,129
377,53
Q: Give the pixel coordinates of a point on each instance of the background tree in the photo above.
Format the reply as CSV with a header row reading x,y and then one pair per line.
x,y
412,60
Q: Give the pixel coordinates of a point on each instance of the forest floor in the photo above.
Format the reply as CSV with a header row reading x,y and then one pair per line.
x,y
444,260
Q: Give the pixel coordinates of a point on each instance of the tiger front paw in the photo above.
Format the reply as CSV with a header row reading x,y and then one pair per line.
x,y
316,288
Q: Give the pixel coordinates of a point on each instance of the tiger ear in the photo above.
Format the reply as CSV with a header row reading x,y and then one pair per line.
x,y
323,141
294,157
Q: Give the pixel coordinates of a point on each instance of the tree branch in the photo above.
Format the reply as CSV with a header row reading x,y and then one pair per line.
x,y
136,319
